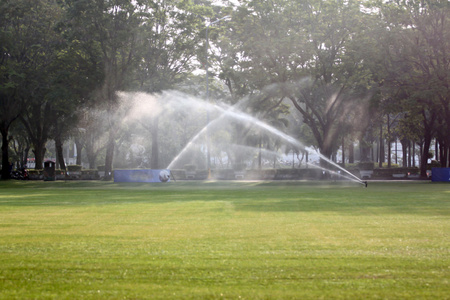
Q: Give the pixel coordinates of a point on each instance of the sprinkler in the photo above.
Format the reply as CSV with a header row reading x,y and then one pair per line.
x,y
364,183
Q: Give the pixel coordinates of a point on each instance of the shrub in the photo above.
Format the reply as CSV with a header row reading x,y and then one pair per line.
x,y
389,172
386,165
178,174
433,164
74,168
89,172
35,172
367,165
223,174
202,174
239,166
190,168
413,170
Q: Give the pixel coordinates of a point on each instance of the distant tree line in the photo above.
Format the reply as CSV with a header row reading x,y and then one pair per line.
x,y
330,73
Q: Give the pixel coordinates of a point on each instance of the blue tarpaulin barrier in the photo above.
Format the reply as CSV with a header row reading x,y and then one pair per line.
x,y
145,175
440,174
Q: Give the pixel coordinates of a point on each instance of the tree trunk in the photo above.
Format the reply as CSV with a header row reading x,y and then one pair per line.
x,y
396,152
343,152
39,153
91,156
446,146
389,141
109,156
363,150
381,159
259,153
6,172
79,146
59,153
24,156
90,152
409,154
307,158
405,153
293,159
425,151
351,153
154,160
428,128
444,156
443,153
389,162
38,128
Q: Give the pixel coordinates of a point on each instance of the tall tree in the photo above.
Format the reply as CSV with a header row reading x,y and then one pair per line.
x,y
16,58
280,43
415,47
113,27
168,44
31,49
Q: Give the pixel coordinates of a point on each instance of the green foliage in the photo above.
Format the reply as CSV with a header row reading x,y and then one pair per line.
x,y
89,171
60,56
35,172
388,173
369,165
74,168
433,164
385,165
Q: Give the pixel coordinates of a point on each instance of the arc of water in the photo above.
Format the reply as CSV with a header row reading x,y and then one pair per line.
x,y
197,136
264,151
191,142
353,176
232,112
291,140
336,173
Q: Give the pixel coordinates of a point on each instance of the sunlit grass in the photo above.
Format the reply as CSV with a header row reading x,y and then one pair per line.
x,y
254,240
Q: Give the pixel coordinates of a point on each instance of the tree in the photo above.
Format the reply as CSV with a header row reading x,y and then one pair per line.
x,y
92,128
15,58
169,43
280,43
415,46
31,47
113,27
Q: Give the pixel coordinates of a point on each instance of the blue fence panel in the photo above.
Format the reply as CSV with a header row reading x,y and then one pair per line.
x,y
145,175
440,174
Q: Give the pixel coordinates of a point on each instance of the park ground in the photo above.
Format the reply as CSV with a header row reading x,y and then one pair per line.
x,y
224,240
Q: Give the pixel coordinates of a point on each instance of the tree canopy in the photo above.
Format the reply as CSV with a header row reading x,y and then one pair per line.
x,y
339,70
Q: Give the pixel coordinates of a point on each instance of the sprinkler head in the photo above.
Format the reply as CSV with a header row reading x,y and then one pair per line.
x,y
365,183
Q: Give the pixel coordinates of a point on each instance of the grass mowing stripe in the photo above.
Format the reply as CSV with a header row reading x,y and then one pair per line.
x,y
256,240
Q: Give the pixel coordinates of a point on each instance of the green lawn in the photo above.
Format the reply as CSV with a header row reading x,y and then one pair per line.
x,y
224,240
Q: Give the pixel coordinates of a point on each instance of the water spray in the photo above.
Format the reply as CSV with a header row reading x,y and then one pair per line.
x,y
338,174
235,113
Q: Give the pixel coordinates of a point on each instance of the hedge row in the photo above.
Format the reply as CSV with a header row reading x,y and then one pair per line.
x,y
232,174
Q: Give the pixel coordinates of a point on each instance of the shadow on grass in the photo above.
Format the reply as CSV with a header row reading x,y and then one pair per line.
x,y
421,198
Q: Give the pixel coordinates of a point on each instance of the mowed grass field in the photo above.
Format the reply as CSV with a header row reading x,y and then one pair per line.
x,y
224,240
